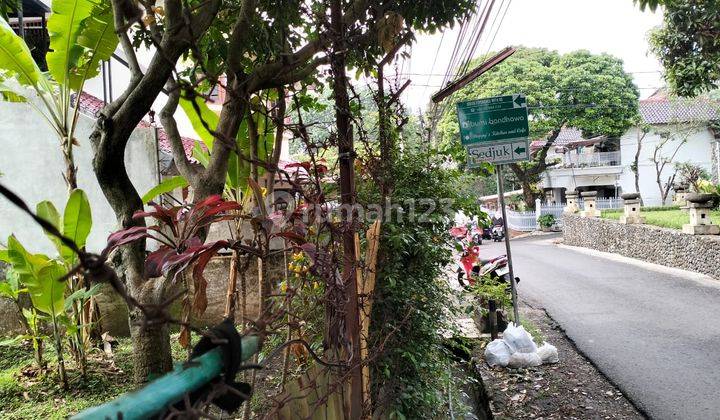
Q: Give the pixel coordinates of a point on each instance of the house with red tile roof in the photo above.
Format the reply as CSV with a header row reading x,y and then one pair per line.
x,y
685,128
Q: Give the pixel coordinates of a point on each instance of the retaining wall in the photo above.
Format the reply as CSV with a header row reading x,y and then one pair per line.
x,y
668,247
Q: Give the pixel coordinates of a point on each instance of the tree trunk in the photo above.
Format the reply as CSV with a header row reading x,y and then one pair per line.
x,y
528,196
346,157
151,348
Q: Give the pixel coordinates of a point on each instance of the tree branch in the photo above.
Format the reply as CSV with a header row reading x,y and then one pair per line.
x,y
238,36
125,43
167,117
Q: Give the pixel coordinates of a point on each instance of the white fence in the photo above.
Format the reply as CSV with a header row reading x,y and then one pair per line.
x,y
527,221
522,221
582,160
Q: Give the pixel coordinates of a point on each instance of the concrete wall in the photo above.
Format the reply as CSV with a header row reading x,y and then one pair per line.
x,y
658,245
32,167
698,150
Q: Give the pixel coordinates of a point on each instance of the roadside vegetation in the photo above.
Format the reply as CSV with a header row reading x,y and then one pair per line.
x,y
667,217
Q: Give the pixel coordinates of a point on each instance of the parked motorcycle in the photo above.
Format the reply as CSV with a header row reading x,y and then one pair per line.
x,y
498,233
477,238
497,268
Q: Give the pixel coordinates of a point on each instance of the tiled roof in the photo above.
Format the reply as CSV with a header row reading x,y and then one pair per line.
x,y
657,109
90,105
660,109
567,135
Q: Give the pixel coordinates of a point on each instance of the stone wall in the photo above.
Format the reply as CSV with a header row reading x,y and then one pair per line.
x,y
668,247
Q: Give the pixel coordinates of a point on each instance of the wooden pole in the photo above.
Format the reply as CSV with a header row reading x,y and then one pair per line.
x,y
231,295
492,319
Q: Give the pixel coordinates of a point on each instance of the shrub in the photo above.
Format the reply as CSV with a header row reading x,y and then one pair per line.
x,y
411,298
546,220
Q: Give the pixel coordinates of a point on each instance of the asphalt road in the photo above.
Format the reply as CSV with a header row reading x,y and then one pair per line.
x,y
654,332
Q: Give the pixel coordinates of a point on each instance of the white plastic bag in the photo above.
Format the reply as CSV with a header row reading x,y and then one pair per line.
x,y
548,353
523,360
497,353
519,340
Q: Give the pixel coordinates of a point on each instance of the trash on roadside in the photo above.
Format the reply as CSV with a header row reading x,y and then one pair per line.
x,y
548,353
520,360
497,353
517,349
518,339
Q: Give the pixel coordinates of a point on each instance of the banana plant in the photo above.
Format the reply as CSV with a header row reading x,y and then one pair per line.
x,y
81,36
42,278
75,223
12,289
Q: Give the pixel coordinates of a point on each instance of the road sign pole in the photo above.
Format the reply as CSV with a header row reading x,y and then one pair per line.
x,y
501,195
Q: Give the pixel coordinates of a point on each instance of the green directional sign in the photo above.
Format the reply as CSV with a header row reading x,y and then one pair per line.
x,y
498,152
494,129
493,119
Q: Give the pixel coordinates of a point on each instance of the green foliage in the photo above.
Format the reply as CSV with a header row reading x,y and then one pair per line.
x,y
546,220
166,186
11,288
705,186
204,121
16,61
64,28
691,174
41,276
688,44
583,90
76,223
488,289
411,303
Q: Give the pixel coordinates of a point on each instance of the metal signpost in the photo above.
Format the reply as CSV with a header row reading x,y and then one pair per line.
x,y
495,130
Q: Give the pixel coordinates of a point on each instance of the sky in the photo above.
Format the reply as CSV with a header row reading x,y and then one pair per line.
x,y
617,27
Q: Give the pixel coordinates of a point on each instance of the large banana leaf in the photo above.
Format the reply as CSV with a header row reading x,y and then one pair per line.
x,y
166,186
15,58
47,291
48,211
97,36
200,116
77,222
23,262
9,93
64,26
40,275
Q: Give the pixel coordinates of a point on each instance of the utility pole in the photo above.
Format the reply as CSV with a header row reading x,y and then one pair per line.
x,y
20,18
346,157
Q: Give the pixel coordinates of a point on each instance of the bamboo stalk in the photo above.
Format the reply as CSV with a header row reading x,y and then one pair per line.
x,y
232,287
366,286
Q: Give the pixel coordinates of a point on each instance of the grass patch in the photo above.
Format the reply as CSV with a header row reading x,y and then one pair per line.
x,y
669,217
27,392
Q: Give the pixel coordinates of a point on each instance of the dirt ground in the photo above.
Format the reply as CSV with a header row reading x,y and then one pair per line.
x,y
570,389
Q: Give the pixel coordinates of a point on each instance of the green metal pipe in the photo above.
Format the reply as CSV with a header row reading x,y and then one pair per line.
x,y
165,391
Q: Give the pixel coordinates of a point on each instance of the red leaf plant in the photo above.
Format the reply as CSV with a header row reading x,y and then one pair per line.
x,y
178,230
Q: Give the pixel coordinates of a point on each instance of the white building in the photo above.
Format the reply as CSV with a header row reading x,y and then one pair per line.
x,y
680,128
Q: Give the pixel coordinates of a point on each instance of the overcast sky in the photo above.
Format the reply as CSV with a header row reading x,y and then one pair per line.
x,y
616,27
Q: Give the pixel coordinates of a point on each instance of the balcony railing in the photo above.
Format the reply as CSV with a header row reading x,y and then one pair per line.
x,y
588,160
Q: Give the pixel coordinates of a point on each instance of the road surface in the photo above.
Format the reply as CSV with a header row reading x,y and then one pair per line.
x,y
654,332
